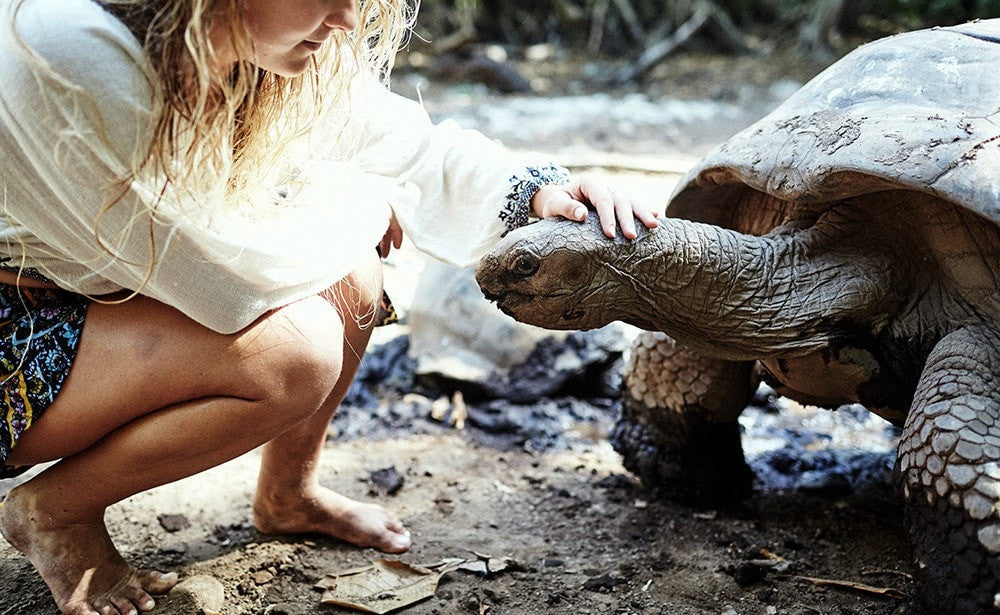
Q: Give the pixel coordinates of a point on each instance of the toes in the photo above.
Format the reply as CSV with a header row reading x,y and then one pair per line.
x,y
140,598
103,606
124,605
395,525
157,582
398,542
85,609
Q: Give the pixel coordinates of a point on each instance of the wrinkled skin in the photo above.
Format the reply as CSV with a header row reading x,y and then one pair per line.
x,y
888,300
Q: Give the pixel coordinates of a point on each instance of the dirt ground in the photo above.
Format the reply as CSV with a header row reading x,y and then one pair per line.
x,y
583,536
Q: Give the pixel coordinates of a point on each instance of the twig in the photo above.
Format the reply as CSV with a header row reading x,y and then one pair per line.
x,y
631,19
597,25
889,592
654,54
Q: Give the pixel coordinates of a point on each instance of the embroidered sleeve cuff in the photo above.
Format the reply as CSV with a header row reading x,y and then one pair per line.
x,y
523,186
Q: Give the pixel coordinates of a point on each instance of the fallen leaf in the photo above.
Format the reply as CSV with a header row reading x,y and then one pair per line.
x,y
889,592
387,585
493,565
383,587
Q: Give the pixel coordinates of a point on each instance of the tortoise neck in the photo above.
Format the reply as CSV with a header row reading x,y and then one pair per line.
x,y
736,296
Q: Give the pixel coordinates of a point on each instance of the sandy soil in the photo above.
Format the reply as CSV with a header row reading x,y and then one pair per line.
x,y
585,537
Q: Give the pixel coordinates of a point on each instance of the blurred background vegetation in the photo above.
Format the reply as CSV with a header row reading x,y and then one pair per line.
x,y
629,29
521,46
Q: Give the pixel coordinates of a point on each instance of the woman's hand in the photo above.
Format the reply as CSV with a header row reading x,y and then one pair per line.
x,y
393,237
572,201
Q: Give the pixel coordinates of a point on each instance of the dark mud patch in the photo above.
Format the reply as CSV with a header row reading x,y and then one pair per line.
x,y
789,447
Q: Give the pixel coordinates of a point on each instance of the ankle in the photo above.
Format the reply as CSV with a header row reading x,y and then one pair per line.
x,y
277,487
25,506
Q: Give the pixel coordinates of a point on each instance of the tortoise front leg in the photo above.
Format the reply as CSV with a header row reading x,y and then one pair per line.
x,y
678,430
949,474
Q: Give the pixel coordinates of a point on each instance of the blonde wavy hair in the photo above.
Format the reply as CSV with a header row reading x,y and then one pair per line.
x,y
243,120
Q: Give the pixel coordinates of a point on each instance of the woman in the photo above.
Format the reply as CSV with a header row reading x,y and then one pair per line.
x,y
192,193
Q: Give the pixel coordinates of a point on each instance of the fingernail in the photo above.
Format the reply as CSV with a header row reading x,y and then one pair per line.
x,y
580,213
148,604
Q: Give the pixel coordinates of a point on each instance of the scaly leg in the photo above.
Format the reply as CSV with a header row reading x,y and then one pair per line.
x,y
949,474
678,431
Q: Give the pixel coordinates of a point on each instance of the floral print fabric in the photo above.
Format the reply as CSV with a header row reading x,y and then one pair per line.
x,y
39,334
523,186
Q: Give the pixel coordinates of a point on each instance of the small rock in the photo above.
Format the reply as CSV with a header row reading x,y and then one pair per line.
x,y
262,577
174,523
198,594
602,583
388,480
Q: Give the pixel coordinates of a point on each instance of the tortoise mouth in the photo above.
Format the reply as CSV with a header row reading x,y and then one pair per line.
x,y
511,302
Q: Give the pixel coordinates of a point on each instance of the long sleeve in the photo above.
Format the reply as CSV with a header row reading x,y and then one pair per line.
x,y
72,122
458,190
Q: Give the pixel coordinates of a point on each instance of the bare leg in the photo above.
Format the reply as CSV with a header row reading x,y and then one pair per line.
x,y
290,499
154,397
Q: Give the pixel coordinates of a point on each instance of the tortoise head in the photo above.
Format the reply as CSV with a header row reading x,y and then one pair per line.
x,y
553,274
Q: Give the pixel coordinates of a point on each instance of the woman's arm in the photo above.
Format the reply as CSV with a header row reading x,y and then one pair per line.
x,y
462,191
73,119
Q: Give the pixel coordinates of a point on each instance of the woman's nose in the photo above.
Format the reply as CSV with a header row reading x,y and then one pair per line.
x,y
345,17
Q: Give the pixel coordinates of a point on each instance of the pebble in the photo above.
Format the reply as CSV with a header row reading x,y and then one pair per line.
x,y
200,594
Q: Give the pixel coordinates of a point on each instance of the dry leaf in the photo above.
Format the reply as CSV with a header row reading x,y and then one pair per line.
x,y
387,585
383,587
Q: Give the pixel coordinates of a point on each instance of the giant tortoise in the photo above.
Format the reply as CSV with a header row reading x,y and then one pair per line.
x,y
846,248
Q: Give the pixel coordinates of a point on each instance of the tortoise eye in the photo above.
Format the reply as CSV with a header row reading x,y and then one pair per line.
x,y
524,266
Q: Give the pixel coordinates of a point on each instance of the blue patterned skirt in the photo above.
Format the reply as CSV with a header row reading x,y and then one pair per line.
x,y
39,334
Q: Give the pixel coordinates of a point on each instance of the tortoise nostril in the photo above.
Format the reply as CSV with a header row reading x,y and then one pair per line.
x,y
524,265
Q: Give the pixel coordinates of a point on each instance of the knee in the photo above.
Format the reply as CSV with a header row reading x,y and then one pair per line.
x,y
300,348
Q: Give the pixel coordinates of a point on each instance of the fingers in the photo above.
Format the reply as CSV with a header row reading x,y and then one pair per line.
x,y
551,200
393,238
614,209
397,233
603,200
624,206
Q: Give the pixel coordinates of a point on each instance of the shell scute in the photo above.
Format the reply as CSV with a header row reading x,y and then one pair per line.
x,y
918,111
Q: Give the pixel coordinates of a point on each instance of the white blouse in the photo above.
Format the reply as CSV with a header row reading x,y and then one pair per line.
x,y
74,118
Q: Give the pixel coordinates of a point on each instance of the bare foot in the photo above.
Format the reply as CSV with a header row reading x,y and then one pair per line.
x,y
324,511
79,563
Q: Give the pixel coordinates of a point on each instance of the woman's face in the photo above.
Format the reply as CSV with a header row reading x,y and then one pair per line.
x,y
286,33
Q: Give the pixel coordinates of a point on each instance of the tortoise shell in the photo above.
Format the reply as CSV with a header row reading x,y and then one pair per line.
x,y
917,111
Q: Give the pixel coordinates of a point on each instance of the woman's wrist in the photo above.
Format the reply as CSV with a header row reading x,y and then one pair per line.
x,y
523,188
